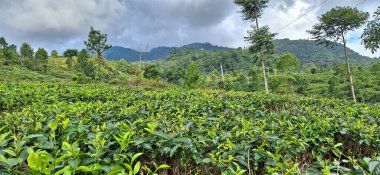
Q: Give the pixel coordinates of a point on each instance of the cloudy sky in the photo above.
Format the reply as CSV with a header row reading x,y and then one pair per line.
x,y
63,24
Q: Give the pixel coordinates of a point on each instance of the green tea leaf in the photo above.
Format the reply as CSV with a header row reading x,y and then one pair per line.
x,y
137,167
134,157
164,166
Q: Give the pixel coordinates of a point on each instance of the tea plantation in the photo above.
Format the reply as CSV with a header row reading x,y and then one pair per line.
x,y
103,129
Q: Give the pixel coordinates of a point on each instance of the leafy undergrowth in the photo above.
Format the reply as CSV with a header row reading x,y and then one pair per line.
x,y
98,129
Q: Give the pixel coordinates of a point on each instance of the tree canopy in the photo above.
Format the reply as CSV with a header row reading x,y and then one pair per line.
x,y
334,24
69,53
26,50
287,61
97,42
3,42
371,35
42,55
192,76
261,40
54,53
85,65
252,9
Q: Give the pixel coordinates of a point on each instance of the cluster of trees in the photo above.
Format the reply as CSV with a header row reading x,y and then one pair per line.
x,y
238,66
253,69
97,44
285,74
332,26
25,57
38,61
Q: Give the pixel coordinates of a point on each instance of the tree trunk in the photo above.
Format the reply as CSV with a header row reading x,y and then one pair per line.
x,y
265,76
262,63
221,69
349,71
99,61
292,87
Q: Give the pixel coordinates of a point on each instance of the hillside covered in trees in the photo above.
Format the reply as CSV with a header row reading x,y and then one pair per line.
x,y
306,50
309,51
158,53
275,107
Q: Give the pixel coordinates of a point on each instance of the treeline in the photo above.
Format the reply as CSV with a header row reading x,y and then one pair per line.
x,y
256,68
285,72
83,66
25,57
196,68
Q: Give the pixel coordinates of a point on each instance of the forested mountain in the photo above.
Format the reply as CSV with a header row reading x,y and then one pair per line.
x,y
117,52
310,52
306,50
241,60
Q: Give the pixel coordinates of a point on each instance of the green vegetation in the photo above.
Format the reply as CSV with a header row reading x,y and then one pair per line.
x,y
371,34
54,54
97,43
69,54
203,110
261,39
26,51
334,25
310,52
52,128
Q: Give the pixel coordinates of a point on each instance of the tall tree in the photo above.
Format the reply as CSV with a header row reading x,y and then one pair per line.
x,y
42,55
192,76
97,43
85,64
3,43
83,58
69,54
42,58
10,53
252,10
371,35
262,45
286,62
54,53
12,48
26,50
334,25
151,72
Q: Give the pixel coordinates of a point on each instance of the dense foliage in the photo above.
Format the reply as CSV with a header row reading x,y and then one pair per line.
x,y
200,109
57,129
157,53
310,52
371,35
334,25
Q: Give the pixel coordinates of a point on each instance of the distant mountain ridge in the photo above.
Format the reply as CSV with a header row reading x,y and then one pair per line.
x,y
307,51
118,52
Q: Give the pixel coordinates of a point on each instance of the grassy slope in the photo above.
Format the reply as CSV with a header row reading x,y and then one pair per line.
x,y
57,72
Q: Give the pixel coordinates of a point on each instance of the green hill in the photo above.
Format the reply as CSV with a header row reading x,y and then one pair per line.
x,y
158,53
306,50
241,60
310,52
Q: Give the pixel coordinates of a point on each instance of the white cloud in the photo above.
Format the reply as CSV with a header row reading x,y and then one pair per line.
x,y
134,23
278,19
48,23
